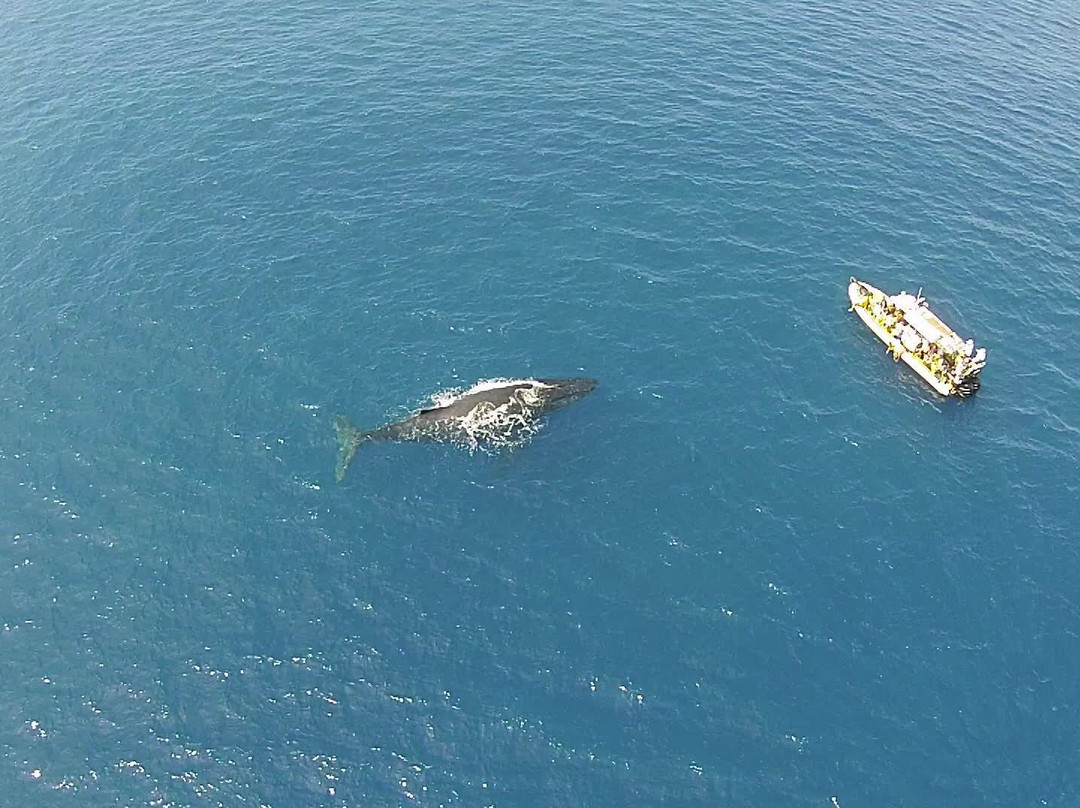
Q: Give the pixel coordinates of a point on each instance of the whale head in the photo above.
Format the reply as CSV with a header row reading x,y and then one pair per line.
x,y
559,392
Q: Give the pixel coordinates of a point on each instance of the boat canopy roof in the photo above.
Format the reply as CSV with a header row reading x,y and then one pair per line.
x,y
919,317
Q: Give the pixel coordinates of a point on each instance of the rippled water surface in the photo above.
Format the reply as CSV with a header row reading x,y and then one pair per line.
x,y
760,565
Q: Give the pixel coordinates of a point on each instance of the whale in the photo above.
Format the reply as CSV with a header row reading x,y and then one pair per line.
x,y
490,415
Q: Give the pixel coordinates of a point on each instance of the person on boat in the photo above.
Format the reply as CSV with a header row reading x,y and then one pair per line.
x,y
910,339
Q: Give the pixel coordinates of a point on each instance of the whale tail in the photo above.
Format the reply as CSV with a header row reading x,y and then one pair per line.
x,y
349,440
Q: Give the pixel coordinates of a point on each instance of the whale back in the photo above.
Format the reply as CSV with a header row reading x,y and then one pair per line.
x,y
490,415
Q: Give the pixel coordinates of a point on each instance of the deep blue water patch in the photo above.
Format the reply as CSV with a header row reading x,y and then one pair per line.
x,y
760,565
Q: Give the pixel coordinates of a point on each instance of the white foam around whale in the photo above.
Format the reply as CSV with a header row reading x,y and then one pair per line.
x,y
510,424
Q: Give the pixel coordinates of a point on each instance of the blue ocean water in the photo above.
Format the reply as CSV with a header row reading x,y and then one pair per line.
x,y
761,565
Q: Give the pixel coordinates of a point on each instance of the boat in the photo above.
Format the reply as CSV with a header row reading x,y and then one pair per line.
x,y
914,334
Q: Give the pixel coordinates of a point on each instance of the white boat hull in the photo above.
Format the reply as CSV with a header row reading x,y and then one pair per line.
x,y
857,292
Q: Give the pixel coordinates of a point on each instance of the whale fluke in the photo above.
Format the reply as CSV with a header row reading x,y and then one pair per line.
x,y
349,440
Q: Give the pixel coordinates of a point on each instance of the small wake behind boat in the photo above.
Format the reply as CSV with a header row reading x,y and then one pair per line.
x,y
915,334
